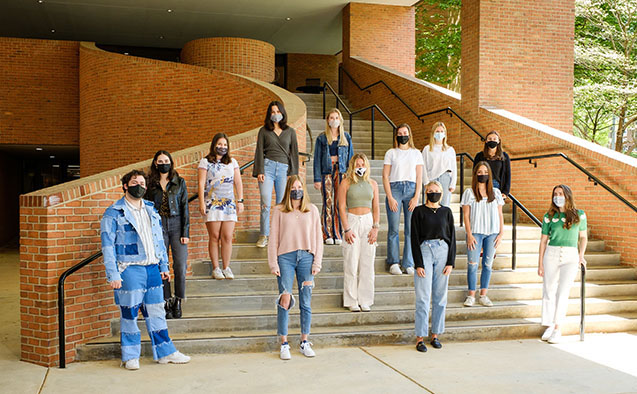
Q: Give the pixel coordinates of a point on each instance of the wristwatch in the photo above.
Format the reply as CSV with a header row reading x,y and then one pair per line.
x,y
240,201
376,225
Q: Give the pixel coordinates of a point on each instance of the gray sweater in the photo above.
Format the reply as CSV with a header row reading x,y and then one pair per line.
x,y
282,148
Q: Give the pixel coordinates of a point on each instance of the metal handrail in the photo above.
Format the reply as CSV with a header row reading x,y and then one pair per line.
x,y
591,177
447,110
351,113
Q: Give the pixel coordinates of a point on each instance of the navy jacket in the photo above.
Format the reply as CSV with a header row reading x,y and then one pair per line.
x,y
323,161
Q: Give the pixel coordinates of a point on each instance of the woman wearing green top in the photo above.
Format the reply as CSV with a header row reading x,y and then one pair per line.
x,y
563,228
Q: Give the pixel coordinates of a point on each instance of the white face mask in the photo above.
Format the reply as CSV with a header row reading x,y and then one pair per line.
x,y
360,171
276,118
334,123
559,201
439,136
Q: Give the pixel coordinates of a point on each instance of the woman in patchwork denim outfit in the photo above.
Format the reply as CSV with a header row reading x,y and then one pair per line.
x,y
134,255
218,174
295,248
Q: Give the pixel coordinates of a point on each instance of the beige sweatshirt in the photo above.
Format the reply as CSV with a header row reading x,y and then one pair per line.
x,y
293,231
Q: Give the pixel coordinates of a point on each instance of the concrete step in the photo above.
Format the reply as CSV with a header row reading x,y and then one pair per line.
x,y
361,335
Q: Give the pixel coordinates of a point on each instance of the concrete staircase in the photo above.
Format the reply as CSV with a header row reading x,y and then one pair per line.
x,y
240,315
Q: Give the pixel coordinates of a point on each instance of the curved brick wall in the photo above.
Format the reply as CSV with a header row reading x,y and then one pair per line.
x,y
251,58
130,107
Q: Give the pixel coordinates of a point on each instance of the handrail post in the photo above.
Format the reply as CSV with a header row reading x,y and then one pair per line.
x,y
351,126
514,220
582,327
372,133
324,100
61,325
461,184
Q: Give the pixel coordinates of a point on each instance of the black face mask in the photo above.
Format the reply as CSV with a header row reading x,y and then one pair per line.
x,y
402,139
136,191
296,194
221,151
163,168
483,178
434,197
492,144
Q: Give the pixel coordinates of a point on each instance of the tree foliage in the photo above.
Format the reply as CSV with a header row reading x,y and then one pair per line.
x,y
438,42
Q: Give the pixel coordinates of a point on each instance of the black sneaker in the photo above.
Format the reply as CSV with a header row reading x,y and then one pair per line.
x,y
420,346
176,308
168,306
436,343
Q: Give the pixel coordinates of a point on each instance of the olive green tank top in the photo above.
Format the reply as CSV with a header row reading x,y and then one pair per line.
x,y
360,195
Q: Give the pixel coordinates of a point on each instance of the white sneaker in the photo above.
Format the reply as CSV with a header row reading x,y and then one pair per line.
x,y
227,272
329,241
555,337
547,334
394,269
262,242
132,364
410,270
217,274
306,349
354,308
485,301
469,301
175,358
338,241
365,308
285,352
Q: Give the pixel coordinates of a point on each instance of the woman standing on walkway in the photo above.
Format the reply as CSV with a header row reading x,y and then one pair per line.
x,y
433,243
402,180
498,161
332,153
360,213
563,229
275,158
167,190
218,174
296,247
484,224
440,162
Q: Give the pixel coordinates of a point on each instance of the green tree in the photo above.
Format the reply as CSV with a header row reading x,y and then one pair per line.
x,y
438,42
606,71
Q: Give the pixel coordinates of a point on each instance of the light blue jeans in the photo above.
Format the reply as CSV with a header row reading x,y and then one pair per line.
x,y
486,244
433,285
445,181
402,192
276,175
298,262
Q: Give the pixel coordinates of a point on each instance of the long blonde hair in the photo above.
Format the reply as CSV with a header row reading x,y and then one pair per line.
x,y
432,140
286,202
341,129
411,137
350,175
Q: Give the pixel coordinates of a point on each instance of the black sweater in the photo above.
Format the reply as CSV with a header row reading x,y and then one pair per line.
x,y
425,224
501,170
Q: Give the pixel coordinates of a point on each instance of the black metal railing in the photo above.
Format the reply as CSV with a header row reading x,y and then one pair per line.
x,y
447,110
373,108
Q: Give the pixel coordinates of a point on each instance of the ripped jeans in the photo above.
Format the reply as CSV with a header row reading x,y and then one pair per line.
x,y
486,244
299,262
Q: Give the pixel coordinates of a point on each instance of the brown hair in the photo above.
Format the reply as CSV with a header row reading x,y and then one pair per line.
x,y
212,155
268,123
569,207
154,175
286,202
498,150
411,137
130,175
474,182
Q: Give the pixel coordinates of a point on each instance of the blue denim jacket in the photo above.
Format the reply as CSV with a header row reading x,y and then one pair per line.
x,y
121,241
323,161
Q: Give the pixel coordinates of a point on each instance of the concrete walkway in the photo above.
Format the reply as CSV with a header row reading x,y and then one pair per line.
x,y
604,363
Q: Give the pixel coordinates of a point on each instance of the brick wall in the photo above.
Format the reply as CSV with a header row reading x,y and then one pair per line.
x,y
383,34
164,105
38,92
243,56
519,57
302,65
59,226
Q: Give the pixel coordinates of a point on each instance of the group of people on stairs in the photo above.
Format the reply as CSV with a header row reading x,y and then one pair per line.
x,y
137,233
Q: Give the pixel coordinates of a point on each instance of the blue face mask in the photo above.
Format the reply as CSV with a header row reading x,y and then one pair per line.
x,y
276,118
296,194
439,136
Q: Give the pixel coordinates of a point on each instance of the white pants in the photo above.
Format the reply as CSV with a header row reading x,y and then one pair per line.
x,y
358,266
560,268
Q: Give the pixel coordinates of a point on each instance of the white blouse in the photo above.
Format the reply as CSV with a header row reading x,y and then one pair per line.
x,y
485,216
437,162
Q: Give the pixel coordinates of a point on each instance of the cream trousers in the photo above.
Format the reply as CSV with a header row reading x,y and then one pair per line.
x,y
358,265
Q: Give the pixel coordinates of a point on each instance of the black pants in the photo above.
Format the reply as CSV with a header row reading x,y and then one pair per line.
x,y
172,238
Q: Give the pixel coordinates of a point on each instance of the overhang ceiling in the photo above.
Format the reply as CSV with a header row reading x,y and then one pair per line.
x,y
314,26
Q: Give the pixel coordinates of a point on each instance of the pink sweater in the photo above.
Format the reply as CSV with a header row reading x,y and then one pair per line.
x,y
289,233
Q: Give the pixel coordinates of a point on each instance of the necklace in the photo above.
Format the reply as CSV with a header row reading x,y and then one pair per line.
x,y
434,210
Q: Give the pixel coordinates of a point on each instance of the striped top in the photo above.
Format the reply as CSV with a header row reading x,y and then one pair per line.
x,y
145,234
484,217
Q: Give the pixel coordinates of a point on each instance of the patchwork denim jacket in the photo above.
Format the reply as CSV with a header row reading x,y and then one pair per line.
x,y
323,160
121,241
